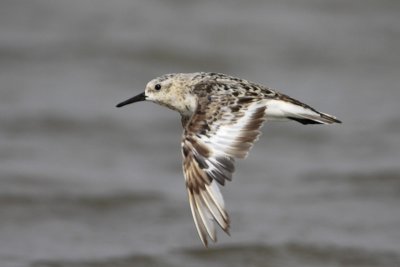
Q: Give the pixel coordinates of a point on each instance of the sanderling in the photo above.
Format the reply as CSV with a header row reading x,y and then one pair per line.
x,y
221,118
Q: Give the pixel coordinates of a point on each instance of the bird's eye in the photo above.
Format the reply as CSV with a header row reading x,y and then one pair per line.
x,y
157,87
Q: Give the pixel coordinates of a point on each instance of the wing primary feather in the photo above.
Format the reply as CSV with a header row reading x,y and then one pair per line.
x,y
212,206
215,195
197,220
205,216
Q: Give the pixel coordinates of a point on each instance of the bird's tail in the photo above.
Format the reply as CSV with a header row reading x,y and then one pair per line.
x,y
319,118
291,109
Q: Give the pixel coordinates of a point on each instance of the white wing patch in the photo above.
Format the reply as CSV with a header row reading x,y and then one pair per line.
x,y
237,138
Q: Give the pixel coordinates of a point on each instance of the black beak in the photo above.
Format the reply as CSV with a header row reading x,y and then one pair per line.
x,y
139,97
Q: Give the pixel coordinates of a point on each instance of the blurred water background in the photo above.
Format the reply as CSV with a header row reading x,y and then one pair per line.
x,y
85,184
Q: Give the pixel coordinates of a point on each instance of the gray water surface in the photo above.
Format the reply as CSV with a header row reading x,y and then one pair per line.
x,y
85,184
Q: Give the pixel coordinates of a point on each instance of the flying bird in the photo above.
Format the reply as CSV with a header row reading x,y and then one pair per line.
x,y
221,118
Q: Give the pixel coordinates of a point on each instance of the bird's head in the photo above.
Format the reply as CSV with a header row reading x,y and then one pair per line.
x,y
171,90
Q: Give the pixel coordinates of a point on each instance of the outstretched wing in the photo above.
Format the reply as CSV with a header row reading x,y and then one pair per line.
x,y
222,128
